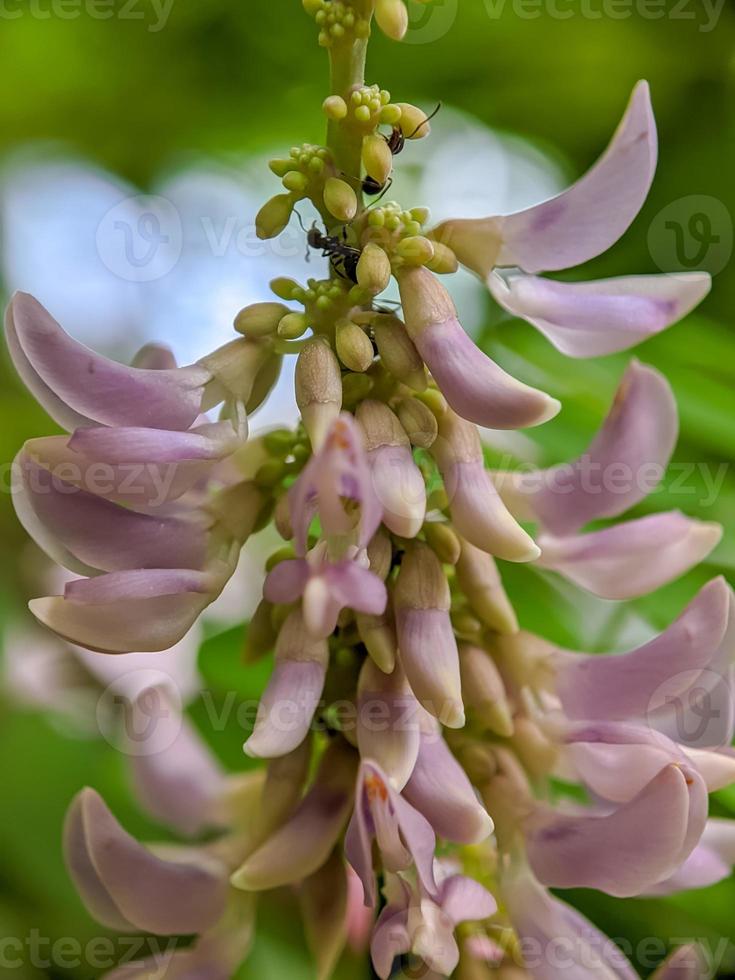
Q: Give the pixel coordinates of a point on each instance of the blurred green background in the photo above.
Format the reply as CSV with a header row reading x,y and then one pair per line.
x,y
227,82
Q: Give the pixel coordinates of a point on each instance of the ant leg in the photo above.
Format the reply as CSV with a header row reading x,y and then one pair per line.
x,y
388,185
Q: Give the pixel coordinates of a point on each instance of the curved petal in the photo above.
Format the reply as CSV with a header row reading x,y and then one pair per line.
x,y
128,444
357,588
286,581
624,463
400,488
120,880
581,222
633,558
428,653
463,899
94,387
387,722
439,789
390,939
629,850
591,319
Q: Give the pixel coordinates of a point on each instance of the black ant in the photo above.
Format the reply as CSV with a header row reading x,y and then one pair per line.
x,y
396,144
343,257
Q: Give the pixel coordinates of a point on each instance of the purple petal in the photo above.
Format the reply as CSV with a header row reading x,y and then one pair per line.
x,y
439,789
357,588
617,687
591,319
138,445
387,722
95,388
629,850
286,581
399,486
305,841
625,461
148,583
390,939
633,558
465,900
583,221
428,652
710,861
125,885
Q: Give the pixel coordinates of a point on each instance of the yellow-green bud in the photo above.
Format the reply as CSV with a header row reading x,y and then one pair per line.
x,y
484,691
261,636
356,387
415,250
318,387
380,554
478,577
282,518
398,353
373,269
390,114
335,107
295,181
377,158
264,381
392,18
353,346
419,422
284,287
281,167
274,216
443,541
421,215
379,636
312,6
340,199
293,325
414,124
444,261
260,319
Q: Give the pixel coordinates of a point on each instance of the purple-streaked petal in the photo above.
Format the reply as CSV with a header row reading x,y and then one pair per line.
x,y
630,849
96,389
146,583
440,790
463,899
428,653
302,845
357,588
580,223
399,486
387,722
288,703
286,581
633,558
104,535
616,687
138,445
591,319
625,461
124,885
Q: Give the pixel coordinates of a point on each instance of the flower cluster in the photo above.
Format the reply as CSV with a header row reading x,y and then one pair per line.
x,y
414,736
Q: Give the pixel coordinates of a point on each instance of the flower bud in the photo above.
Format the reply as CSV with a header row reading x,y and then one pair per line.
x,y
377,158
296,182
264,382
340,199
260,319
293,326
388,730
373,269
535,750
392,18
415,250
282,518
443,542
335,107
355,387
483,691
281,167
480,582
380,554
283,287
379,636
398,353
418,421
261,635
318,387
444,261
414,124
274,216
353,346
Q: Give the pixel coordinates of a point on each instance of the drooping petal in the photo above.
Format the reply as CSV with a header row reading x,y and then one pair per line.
x,y
400,489
474,385
390,939
624,463
387,722
287,706
439,789
463,899
286,581
125,886
616,687
96,389
306,840
357,588
591,319
633,558
580,223
711,861
630,849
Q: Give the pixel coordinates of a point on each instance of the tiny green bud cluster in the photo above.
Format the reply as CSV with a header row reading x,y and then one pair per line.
x,y
337,21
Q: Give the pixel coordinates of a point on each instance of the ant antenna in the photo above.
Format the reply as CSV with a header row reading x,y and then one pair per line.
x,y
386,188
298,215
425,121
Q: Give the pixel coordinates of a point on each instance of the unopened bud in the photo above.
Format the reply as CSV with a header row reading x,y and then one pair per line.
x,y
380,554
380,426
318,387
296,182
421,583
483,691
353,346
398,353
265,381
379,636
443,541
282,518
478,577
355,387
392,18
260,319
340,199
281,167
414,124
415,250
335,107
274,216
283,287
261,636
373,269
293,325
535,750
418,421
377,158
444,261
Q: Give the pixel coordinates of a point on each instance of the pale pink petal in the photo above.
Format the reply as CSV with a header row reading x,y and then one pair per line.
x,y
399,486
286,581
387,722
465,900
428,652
357,588
390,939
